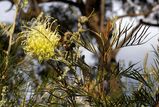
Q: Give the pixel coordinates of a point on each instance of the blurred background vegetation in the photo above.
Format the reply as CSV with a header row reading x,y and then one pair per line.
x,y
96,26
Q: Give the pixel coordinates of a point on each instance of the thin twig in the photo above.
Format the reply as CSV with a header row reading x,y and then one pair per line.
x,y
18,6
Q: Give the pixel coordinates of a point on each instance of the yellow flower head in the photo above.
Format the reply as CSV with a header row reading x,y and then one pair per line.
x,y
40,40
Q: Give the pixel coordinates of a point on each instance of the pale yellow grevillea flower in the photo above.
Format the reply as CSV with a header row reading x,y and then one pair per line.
x,y
40,40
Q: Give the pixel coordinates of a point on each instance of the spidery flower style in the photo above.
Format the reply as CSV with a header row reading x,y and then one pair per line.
x,y
40,40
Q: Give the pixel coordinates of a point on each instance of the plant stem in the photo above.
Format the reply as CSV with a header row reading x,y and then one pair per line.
x,y
4,75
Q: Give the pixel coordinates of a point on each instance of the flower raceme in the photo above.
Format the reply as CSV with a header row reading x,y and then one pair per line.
x,y
40,40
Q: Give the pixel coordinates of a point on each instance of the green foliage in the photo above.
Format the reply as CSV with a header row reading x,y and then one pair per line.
x,y
55,80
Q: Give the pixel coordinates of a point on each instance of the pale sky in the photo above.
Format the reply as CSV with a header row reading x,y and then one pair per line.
x,y
6,16
134,54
